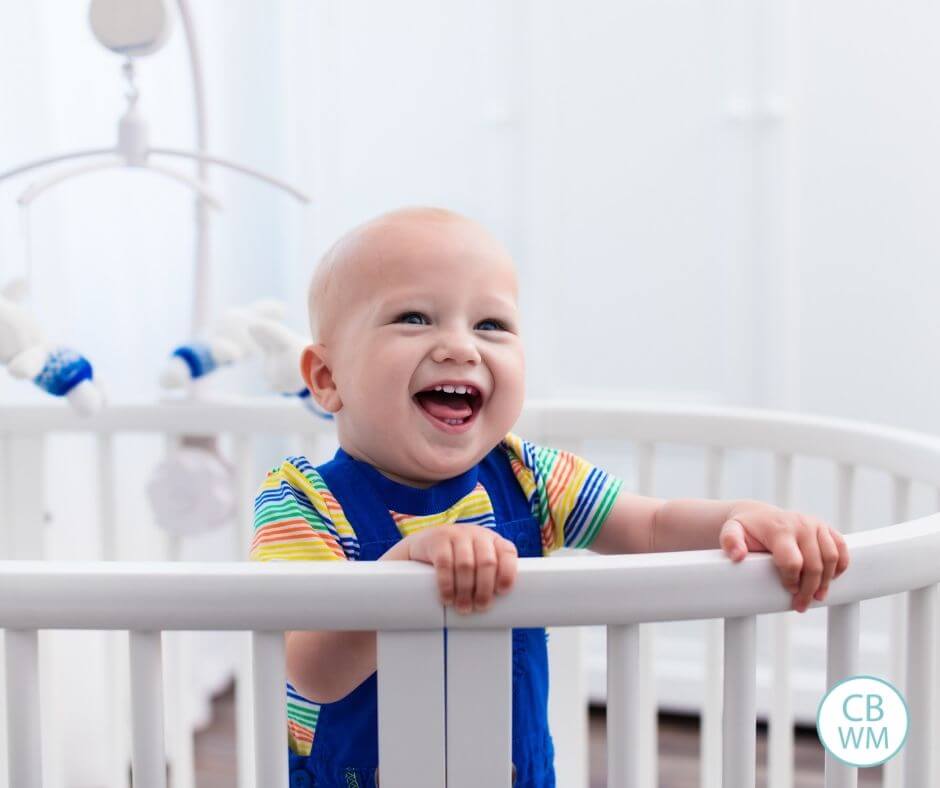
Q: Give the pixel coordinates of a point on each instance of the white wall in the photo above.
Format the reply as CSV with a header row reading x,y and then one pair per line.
x,y
697,251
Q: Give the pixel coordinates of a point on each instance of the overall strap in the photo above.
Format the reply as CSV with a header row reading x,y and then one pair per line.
x,y
367,514
509,501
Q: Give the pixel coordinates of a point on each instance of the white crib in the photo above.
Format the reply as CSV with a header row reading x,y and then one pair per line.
x,y
625,594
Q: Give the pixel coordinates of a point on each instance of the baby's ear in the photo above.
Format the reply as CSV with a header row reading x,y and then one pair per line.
x,y
319,378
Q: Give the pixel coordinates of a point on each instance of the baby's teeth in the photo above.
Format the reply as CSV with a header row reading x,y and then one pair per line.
x,y
460,389
449,389
438,388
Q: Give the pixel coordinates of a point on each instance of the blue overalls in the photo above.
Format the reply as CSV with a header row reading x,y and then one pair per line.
x,y
345,746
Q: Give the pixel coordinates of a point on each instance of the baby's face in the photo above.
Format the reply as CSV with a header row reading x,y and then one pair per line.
x,y
424,351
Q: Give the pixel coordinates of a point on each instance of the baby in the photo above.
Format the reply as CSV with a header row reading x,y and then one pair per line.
x,y
418,354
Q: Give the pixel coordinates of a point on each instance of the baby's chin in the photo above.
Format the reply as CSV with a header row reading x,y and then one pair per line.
x,y
429,464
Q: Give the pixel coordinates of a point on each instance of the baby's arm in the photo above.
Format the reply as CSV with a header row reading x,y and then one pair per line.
x,y
472,565
639,524
808,553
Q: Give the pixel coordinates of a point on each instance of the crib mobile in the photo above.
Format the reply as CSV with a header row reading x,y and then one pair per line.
x,y
191,490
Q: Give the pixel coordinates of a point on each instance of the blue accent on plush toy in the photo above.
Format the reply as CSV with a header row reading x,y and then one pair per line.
x,y
198,358
63,371
309,404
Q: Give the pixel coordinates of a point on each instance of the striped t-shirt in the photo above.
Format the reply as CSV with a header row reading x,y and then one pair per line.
x,y
298,519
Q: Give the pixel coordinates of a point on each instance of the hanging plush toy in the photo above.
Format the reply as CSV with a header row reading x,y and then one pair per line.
x,y
193,490
281,348
60,371
229,341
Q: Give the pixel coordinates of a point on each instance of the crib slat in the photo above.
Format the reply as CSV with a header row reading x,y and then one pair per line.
x,y
246,486
181,745
710,738
269,684
116,651
568,705
172,542
922,656
901,497
479,720
841,662
623,691
411,708
648,738
714,467
23,724
739,723
645,457
648,730
844,501
780,752
6,504
247,482
107,530
783,479
26,491
842,631
936,684
148,751
244,715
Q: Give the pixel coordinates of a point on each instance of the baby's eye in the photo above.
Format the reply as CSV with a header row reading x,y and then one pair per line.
x,y
405,317
497,326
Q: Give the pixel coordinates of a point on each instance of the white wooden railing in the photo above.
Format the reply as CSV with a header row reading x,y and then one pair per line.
x,y
618,592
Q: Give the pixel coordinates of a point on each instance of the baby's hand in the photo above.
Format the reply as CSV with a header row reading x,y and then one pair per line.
x,y
808,552
472,563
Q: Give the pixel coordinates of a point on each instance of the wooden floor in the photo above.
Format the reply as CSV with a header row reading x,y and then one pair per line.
x,y
678,753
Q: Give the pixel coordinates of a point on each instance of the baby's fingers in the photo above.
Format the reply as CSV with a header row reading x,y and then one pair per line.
x,y
464,571
508,558
485,553
789,562
843,563
830,555
441,556
812,568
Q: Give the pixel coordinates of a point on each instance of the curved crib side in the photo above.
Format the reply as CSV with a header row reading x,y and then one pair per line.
x,y
907,457
619,592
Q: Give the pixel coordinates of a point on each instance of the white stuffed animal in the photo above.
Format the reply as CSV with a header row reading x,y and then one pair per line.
x,y
229,341
192,491
60,371
281,348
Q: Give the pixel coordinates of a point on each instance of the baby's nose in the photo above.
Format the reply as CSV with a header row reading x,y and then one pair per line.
x,y
457,346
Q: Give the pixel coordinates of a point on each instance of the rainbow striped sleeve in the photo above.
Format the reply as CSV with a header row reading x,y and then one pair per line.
x,y
570,497
298,519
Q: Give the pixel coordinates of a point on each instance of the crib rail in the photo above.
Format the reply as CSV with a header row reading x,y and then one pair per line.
x,y
904,453
906,456
620,592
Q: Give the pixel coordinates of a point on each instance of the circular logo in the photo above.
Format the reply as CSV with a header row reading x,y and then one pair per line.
x,y
863,721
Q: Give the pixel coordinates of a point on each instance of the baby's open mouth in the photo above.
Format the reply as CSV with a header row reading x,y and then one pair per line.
x,y
452,405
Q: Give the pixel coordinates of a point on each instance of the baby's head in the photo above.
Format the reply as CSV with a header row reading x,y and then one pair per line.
x,y
411,300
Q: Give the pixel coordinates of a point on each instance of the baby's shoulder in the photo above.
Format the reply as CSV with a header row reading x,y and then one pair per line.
x,y
513,445
520,451
522,456
298,473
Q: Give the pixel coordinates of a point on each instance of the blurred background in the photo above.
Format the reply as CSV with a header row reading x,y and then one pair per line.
x,y
718,202
726,203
